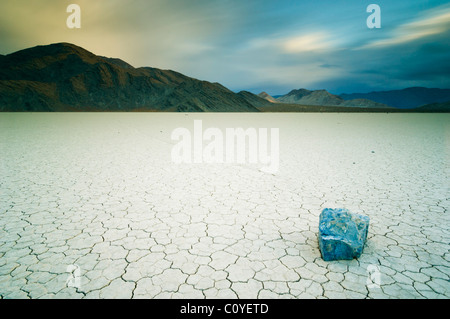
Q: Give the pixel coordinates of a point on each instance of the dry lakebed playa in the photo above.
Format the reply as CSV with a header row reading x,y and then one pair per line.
x,y
92,206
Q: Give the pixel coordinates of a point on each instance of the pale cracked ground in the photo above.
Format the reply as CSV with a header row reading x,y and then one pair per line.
x,y
99,191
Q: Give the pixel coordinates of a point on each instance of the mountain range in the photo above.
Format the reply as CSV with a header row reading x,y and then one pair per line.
x,y
322,97
64,77
407,98
418,99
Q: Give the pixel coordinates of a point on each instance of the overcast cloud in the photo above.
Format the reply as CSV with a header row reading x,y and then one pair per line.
x,y
253,45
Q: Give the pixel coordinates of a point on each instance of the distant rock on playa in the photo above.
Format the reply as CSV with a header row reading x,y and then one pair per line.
x,y
342,234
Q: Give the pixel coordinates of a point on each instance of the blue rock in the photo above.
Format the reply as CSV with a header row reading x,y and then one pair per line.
x,y
342,234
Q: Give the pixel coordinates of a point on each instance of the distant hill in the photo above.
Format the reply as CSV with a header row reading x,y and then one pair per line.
x,y
267,97
324,98
295,108
65,77
407,98
434,107
253,99
306,97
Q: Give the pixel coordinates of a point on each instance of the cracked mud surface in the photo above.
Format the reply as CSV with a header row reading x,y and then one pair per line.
x,y
99,191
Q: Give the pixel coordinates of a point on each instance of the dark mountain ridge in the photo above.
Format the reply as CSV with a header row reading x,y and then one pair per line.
x,y
65,77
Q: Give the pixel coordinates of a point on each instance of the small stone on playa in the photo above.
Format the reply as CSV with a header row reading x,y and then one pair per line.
x,y
342,234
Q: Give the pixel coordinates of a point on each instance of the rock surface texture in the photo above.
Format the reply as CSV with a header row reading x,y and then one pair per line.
x,y
342,234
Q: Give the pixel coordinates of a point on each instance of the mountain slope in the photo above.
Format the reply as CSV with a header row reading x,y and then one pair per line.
x,y
253,99
306,97
64,77
295,96
434,107
267,97
406,98
364,103
324,98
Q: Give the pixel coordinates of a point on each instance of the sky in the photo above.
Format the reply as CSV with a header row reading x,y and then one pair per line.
x,y
254,45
